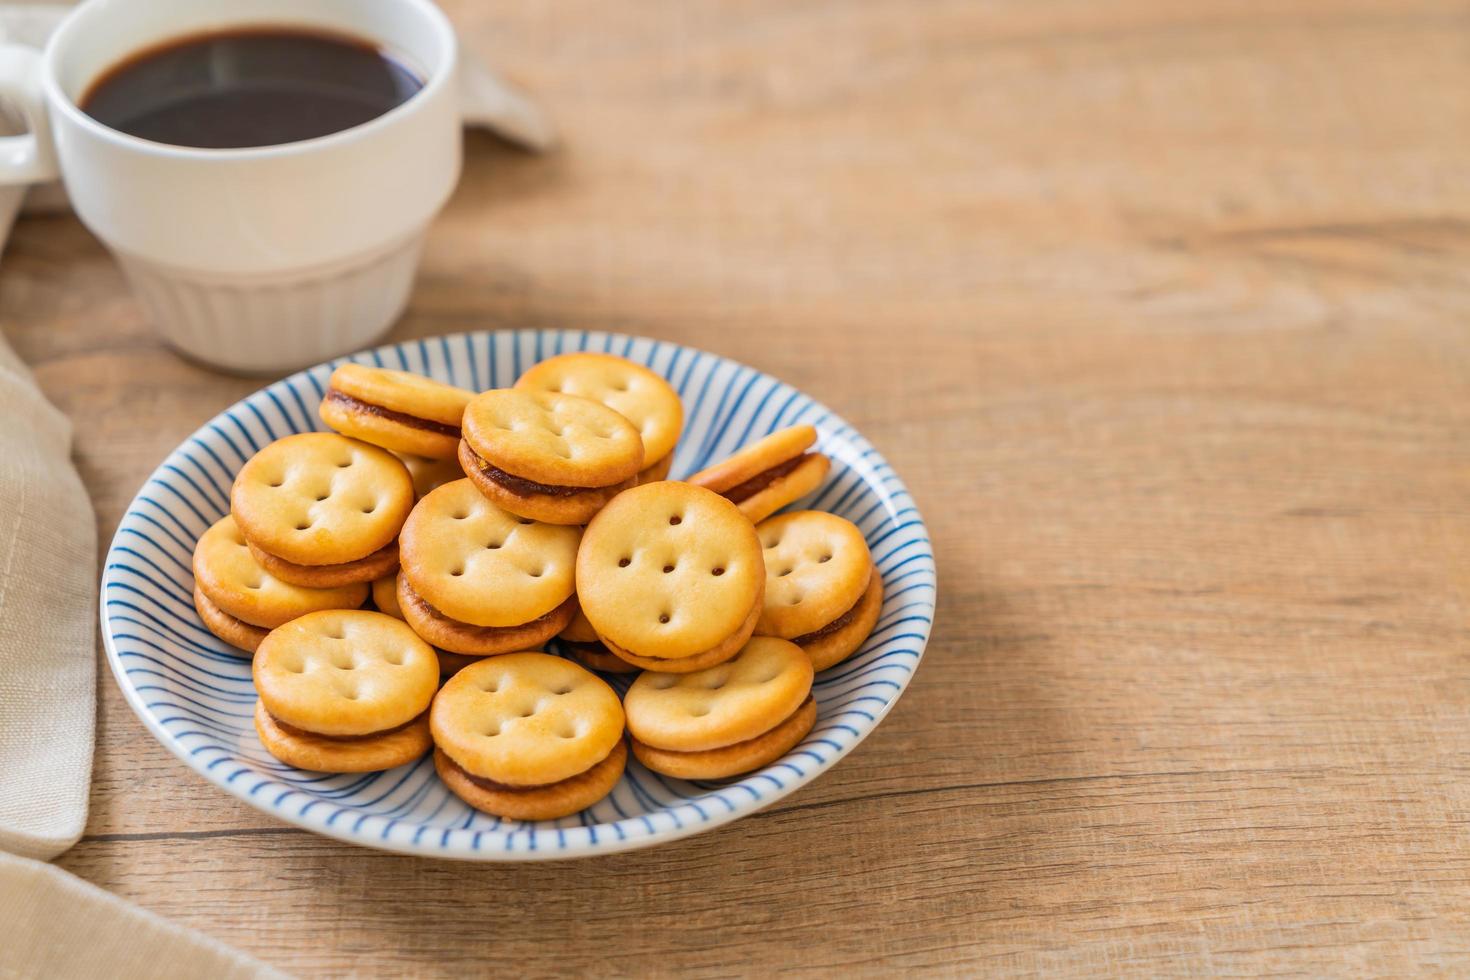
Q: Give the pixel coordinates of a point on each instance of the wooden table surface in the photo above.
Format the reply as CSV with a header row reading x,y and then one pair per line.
x,y
1159,308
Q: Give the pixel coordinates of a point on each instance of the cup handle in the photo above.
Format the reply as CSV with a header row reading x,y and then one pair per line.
x,y
30,157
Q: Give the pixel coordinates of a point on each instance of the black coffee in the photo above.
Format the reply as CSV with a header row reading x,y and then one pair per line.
x,y
252,87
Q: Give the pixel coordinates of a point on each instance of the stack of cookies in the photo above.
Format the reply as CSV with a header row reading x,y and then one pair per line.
x,y
483,527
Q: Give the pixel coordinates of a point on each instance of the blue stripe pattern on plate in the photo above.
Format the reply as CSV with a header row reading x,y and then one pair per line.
x,y
195,694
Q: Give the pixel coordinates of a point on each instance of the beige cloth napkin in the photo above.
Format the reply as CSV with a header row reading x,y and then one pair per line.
x,y
48,563
53,924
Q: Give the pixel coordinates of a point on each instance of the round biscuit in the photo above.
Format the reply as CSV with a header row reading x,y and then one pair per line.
x,y
817,567
430,474
227,572
382,562
385,596
732,760
716,654
394,435
733,702
550,508
579,630
787,488
752,460
318,498
669,570
553,439
526,719
233,631
400,391
370,754
549,802
477,564
478,641
631,390
656,471
345,673
837,646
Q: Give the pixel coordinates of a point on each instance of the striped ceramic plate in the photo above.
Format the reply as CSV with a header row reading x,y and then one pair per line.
x,y
196,696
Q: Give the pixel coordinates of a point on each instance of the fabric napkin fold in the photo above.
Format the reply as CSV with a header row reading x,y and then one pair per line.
x,y
48,566
53,924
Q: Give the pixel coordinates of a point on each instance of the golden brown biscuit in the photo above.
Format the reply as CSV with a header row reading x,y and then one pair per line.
x,y
321,510
732,760
234,593
478,580
385,597
842,637
528,735
235,632
670,576
404,412
534,802
371,753
550,457
360,678
768,474
579,630
822,591
479,641
726,720
430,474
631,390
579,640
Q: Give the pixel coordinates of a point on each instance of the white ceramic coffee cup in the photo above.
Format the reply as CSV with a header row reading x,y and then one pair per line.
x,y
260,259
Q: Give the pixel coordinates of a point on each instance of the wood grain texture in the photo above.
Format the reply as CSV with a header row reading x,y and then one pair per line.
x,y
1160,310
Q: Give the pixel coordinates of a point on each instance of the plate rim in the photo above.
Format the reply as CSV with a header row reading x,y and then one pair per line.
x,y
321,824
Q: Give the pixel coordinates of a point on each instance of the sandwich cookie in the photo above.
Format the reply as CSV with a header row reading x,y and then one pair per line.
x,y
631,390
479,581
547,456
580,642
528,736
768,474
725,720
241,602
344,692
430,474
823,592
321,510
404,412
385,597
670,577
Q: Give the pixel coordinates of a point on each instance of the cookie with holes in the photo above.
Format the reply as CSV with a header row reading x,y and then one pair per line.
x,y
725,720
385,598
581,643
631,390
670,577
404,412
823,592
241,602
321,510
528,736
547,456
479,581
769,473
430,474
344,691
